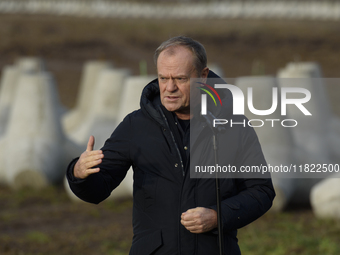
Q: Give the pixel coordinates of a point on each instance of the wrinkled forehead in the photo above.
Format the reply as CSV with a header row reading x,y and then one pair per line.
x,y
177,50
174,58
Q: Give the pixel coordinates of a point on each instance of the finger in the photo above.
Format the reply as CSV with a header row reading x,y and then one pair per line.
x,y
187,217
91,156
81,172
92,171
193,222
190,216
191,210
197,231
90,144
87,156
96,156
91,164
188,223
194,229
95,152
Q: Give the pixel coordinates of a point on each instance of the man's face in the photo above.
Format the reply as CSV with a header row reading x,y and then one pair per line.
x,y
175,67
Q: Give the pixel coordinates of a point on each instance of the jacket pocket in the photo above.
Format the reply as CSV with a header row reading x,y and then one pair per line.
x,y
147,244
149,188
145,186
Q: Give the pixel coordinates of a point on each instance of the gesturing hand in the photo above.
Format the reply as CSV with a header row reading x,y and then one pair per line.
x,y
199,220
87,160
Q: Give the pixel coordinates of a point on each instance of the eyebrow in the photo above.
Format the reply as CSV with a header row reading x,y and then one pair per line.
x,y
174,77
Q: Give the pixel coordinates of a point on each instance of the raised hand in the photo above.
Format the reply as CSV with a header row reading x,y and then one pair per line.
x,y
199,220
88,159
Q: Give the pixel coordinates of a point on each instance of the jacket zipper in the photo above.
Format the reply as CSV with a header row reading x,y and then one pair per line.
x,y
173,139
182,167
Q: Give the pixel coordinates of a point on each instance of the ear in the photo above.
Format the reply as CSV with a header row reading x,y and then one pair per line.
x,y
204,73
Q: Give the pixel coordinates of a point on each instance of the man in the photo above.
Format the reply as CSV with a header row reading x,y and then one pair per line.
x,y
172,213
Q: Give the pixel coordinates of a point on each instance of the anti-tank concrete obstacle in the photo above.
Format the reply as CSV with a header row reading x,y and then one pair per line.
x,y
319,133
131,94
314,134
101,117
312,131
103,106
30,64
325,198
34,145
276,141
74,118
8,84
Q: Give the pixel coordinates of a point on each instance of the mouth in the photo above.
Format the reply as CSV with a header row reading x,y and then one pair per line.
x,y
171,98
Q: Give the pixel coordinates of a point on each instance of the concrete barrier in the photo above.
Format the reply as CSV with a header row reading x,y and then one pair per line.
x,y
325,198
100,119
30,64
73,119
276,141
132,91
312,132
34,144
8,84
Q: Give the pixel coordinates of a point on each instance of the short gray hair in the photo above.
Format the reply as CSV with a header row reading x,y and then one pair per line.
x,y
197,49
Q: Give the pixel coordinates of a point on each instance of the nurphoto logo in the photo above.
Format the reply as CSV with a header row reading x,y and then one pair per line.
x,y
239,104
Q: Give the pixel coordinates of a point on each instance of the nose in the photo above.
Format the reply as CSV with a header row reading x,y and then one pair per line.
x,y
171,85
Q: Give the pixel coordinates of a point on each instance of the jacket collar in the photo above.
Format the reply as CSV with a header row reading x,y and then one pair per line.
x,y
150,102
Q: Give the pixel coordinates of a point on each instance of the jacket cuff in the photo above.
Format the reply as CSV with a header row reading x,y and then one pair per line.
x,y
69,173
215,230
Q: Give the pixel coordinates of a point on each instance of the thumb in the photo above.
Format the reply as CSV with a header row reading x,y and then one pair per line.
x,y
90,144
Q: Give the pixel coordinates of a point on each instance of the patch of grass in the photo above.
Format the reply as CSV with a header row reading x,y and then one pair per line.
x,y
38,237
119,248
290,233
118,206
29,196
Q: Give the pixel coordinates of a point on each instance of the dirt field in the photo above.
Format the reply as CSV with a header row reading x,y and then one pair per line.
x,y
46,222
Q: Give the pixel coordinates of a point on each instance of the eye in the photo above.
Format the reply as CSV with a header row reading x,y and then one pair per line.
x,y
182,79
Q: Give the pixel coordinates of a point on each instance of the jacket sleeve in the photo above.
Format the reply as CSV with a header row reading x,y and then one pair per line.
x,y
115,164
254,196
